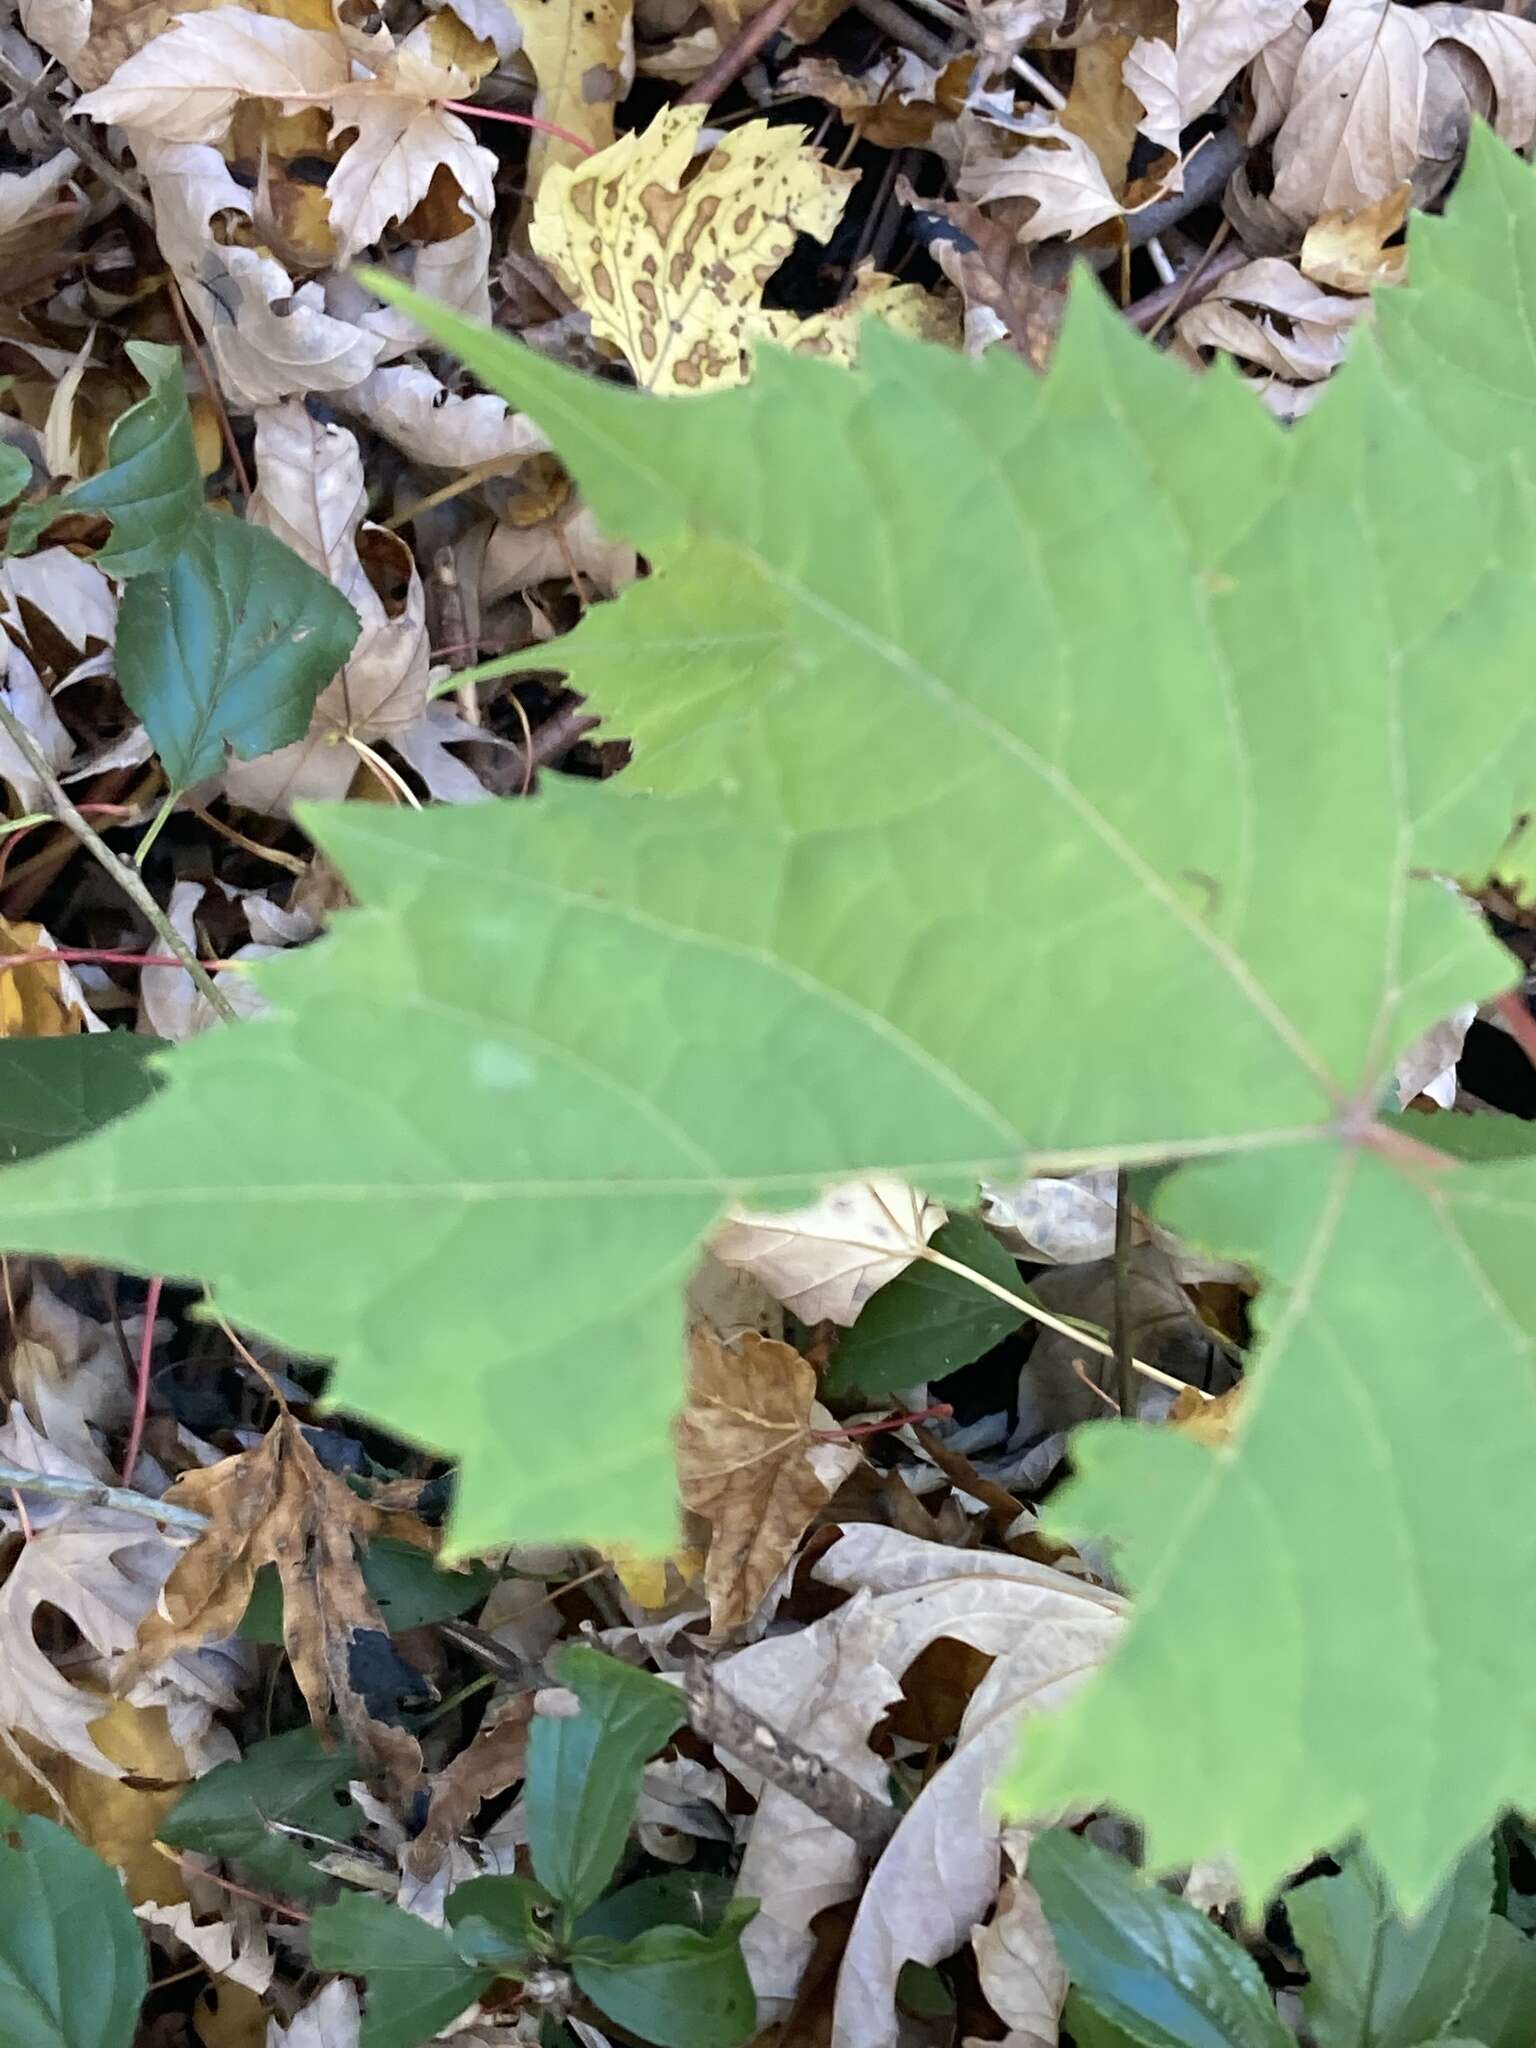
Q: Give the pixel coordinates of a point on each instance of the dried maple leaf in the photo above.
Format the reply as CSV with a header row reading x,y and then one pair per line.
x,y
669,268
278,1505
1348,251
748,1461
824,1261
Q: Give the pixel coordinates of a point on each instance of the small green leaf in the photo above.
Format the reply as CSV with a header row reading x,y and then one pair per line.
x,y
410,1588
677,1898
928,1322
584,1771
71,1953
53,1090
1377,1981
673,1985
496,1923
1145,1961
289,1778
152,490
229,643
1501,2006
417,1981
15,472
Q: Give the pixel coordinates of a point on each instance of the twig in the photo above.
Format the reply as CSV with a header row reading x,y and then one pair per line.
x,y
141,1379
1153,312
128,879
1125,1371
79,145
901,28
738,54
95,1493
552,740
211,386
819,1786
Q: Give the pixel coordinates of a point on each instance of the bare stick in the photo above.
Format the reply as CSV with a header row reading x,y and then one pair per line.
x,y
1125,1371
127,878
738,54
95,1493
819,1786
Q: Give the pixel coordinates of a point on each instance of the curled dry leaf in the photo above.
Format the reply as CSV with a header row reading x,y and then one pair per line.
x,y
749,1463
1217,39
409,406
1504,45
234,1946
826,1260
1267,314
670,268
1347,250
1352,133
1428,1066
278,1505
1055,168
333,2018
1018,1962
494,1760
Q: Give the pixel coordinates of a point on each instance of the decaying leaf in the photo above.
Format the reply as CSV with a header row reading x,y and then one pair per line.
x,y
234,1945
278,1505
1208,1422
749,1462
1055,168
825,1261
670,268
1348,252
1270,316
1019,1964
1352,133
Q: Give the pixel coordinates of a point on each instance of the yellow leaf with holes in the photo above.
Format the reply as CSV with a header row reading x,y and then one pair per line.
x,y
669,261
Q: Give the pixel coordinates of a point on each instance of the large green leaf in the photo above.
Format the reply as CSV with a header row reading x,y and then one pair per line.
x,y
54,1090
1145,1961
584,1771
1501,2006
152,490
1377,1981
288,1779
417,1980
927,1321
71,1954
674,1985
1052,769
228,644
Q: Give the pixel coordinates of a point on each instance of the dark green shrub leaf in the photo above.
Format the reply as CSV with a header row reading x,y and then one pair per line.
x,y
72,1969
504,1923
15,472
417,1980
1377,1981
1145,1961
288,1778
408,1585
54,1090
928,1322
228,644
584,1771
152,490
673,1985
677,1898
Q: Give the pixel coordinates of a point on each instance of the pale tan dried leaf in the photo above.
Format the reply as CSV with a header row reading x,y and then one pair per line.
x,y
824,1261
234,1948
414,410
1152,73
278,1505
1346,250
25,194
939,1875
747,1462
1272,78
185,85
1102,108
1505,45
1428,1066
1208,1422
1054,168
1020,1966
1216,39
333,2018
1061,1219
66,1369
670,268
518,557
583,59
1352,133
1266,313
1001,28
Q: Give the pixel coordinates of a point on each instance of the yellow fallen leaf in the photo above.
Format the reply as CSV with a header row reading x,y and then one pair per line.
x,y
583,58
907,308
1346,250
652,1581
120,1817
671,268
41,1000
1208,1422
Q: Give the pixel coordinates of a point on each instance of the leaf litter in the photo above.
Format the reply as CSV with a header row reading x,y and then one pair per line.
x,y
639,194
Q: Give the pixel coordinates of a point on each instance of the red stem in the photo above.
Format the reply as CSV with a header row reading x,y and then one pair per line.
x,y
517,121
94,956
141,1389
858,1429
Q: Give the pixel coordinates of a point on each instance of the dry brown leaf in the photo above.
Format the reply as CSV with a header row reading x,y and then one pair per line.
x,y
1208,1422
1267,314
1103,109
824,1261
1054,168
1347,250
1020,1966
670,267
332,2019
1352,133
990,268
748,1462
278,1505
493,1761
235,1948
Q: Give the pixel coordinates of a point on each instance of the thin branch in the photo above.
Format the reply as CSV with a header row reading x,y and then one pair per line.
x,y
1125,1369
821,1787
127,878
738,54
95,1493
78,144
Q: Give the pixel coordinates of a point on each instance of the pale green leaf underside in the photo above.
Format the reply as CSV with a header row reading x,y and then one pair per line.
x,y
1042,769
